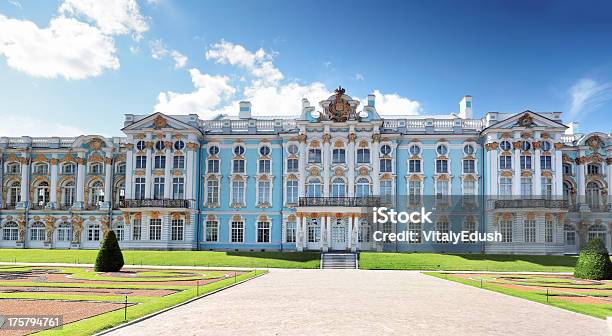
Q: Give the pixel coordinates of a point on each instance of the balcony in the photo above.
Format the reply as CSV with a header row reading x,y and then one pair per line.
x,y
531,203
340,201
154,203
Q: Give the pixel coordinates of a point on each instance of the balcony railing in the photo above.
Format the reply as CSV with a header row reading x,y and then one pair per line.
x,y
531,203
340,201
154,203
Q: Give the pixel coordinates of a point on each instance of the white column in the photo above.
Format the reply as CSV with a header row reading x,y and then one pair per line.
x,y
148,169
53,192
375,165
80,186
558,173
324,237
516,167
326,164
328,228
493,178
108,179
537,183
351,165
609,161
580,197
191,177
350,233
302,169
129,174
299,233
167,172
25,179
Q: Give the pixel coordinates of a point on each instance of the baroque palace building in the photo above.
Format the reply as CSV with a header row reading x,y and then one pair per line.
x,y
304,182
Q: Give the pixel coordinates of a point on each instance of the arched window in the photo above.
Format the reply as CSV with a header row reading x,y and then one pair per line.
x,y
362,188
13,168
338,188
68,169
14,194
95,169
64,232
597,231
41,168
567,191
10,231
96,192
120,192
42,194
313,187
121,168
593,195
37,231
68,194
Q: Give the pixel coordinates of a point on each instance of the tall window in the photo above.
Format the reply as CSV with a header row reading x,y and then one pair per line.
x,y
386,188
546,186
68,169
292,165
362,188
41,168
160,162
469,166
238,166
237,192
314,155
263,192
441,188
469,188
237,232
548,231
137,229
597,231
593,195
97,194
570,235
530,231
505,229
313,187
68,194
525,162
37,231
441,166
264,166
314,231
470,227
155,228
96,169
505,186
363,155
178,187
505,162
546,162
10,231
415,231
178,162
339,155
290,232
213,166
292,191
263,232
93,232
443,228
13,168
593,169
414,166
158,187
139,188
120,169
177,228
120,192
414,192
526,185
385,165
212,231
141,161
42,194
119,231
212,192
567,169
338,188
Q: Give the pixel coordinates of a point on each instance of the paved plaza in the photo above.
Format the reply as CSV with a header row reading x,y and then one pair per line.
x,y
357,302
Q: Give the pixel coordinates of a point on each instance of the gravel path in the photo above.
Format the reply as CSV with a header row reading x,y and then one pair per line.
x,y
352,302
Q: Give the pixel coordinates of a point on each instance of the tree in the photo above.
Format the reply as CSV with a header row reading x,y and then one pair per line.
x,y
110,258
594,262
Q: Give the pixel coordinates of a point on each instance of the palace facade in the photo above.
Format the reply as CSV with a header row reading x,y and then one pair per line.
x,y
303,182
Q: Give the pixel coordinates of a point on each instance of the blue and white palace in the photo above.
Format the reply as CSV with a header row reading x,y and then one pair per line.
x,y
299,182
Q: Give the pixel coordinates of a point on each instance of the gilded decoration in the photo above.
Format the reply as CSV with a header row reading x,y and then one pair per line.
x,y
363,143
314,144
594,142
154,215
77,228
168,144
302,138
108,161
547,173
81,161
314,171
40,158
339,109
192,146
352,137
581,160
363,171
129,146
21,225
545,135
609,161
49,227
149,144
536,144
506,173
526,173
443,177
376,137
326,138
516,145
491,146
558,145
95,143
160,122
526,121
54,161
105,225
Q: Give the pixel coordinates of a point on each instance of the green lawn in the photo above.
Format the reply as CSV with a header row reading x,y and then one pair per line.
x,y
170,258
466,262
596,310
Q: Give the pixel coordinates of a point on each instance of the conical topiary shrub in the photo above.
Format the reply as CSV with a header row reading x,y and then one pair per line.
x,y
110,258
594,262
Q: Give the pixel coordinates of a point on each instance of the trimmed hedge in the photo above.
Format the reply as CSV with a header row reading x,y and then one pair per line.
x,y
594,262
110,258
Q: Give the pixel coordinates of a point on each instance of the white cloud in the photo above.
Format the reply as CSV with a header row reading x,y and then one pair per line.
x,y
159,51
285,99
67,48
210,92
258,63
113,17
394,104
38,126
359,77
587,95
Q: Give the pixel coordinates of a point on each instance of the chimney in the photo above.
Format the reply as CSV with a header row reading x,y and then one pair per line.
x,y
245,110
371,100
465,108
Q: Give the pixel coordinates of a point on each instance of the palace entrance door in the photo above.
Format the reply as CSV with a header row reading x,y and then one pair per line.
x,y
339,234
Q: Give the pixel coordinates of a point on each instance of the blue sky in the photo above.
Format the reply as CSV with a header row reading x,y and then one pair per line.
x,y
76,66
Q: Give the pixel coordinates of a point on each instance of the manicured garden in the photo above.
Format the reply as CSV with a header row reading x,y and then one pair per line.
x,y
90,301
170,258
590,297
466,262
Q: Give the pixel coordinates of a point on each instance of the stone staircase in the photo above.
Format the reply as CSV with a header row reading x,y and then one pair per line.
x,y
338,260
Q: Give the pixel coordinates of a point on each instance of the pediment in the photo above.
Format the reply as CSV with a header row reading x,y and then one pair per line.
x,y
526,120
159,122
